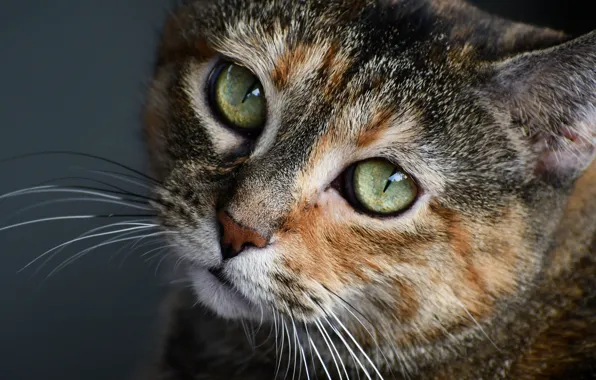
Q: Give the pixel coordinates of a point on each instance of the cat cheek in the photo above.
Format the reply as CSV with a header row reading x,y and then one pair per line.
x,y
485,267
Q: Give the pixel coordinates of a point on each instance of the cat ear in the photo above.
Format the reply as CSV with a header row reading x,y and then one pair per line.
x,y
491,36
551,95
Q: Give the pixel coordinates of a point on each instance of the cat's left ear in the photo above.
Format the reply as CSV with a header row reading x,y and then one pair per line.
x,y
550,95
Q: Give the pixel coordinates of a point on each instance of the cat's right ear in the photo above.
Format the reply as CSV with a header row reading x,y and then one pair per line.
x,y
550,95
491,36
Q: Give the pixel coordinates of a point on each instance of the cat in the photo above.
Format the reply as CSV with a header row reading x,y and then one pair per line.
x,y
374,189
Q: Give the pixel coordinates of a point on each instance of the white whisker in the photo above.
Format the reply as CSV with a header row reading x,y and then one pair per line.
x,y
347,346
178,262
399,357
17,192
249,337
149,242
356,344
285,326
121,177
132,247
312,357
259,329
118,238
332,349
268,338
460,304
85,251
84,238
278,348
160,250
57,189
91,231
157,269
301,350
296,354
89,200
137,242
347,306
314,347
42,220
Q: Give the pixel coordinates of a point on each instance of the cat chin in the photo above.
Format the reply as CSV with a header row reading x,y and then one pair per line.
x,y
220,298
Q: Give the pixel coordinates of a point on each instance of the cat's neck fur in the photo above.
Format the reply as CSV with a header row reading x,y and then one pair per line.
x,y
577,228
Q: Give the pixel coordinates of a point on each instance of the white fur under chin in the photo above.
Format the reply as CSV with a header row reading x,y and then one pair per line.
x,y
224,301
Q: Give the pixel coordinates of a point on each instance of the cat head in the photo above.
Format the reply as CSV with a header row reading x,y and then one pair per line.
x,y
404,160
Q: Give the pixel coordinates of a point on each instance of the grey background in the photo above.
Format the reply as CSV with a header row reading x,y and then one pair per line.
x,y
72,76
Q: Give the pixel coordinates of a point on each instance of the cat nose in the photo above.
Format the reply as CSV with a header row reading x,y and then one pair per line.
x,y
235,238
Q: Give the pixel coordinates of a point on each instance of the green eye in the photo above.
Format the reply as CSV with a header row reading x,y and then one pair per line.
x,y
381,187
239,98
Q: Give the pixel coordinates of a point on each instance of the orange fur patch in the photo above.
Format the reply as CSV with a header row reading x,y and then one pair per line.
x,y
335,254
408,302
288,63
236,235
335,66
380,122
446,254
489,264
293,60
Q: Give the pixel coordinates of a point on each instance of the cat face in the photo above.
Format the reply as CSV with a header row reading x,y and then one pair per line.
x,y
323,159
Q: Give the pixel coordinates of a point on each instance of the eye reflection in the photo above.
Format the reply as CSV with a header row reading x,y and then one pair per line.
x,y
381,187
238,97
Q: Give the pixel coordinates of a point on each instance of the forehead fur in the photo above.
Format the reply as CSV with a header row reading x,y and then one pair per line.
x,y
395,61
365,24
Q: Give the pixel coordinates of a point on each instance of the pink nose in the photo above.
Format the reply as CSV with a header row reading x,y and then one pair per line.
x,y
235,238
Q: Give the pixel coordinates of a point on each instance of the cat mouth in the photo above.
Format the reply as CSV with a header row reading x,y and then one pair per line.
x,y
216,292
219,275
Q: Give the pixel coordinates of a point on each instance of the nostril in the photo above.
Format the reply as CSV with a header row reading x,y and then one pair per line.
x,y
235,238
218,273
246,246
227,252
220,229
